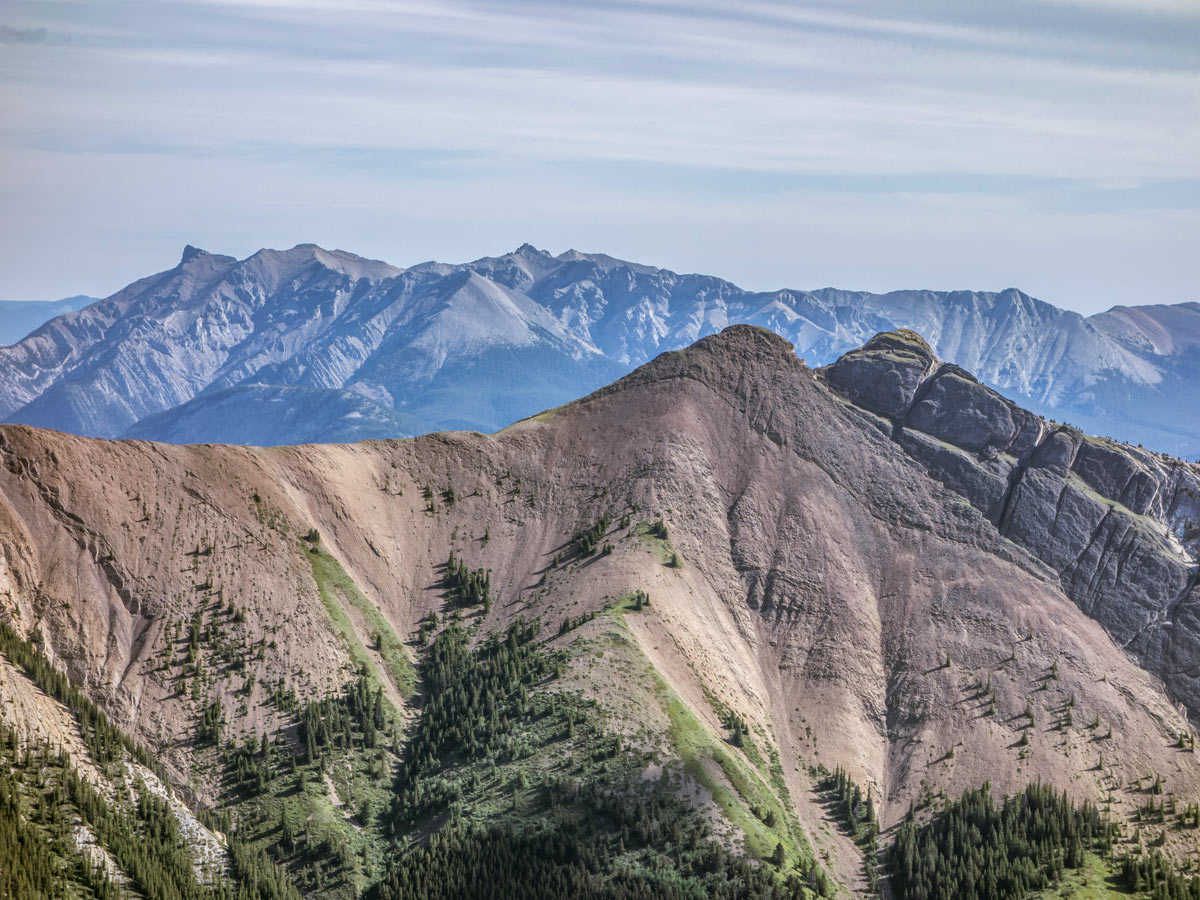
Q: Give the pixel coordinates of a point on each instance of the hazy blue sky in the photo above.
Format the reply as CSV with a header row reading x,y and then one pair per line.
x,y
1052,146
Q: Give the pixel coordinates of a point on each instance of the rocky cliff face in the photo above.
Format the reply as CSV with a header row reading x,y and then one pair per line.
x,y
481,344
881,565
1118,525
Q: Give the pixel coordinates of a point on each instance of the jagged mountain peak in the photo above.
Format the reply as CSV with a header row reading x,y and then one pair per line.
x,y
190,253
518,269
605,262
329,319
288,263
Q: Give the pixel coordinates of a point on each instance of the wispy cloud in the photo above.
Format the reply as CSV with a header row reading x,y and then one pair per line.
x,y
566,118
10,35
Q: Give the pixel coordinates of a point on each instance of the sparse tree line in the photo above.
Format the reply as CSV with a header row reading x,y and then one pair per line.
x,y
636,602
856,811
587,540
467,587
43,799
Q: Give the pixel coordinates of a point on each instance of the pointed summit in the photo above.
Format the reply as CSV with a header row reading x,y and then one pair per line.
x,y
190,253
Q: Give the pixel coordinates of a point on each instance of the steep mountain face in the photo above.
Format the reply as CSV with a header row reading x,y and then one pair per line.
x,y
300,318
1118,524
881,566
482,344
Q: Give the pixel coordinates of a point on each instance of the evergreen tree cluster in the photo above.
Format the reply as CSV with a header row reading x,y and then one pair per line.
x,y
467,587
570,623
591,829
975,849
618,848
856,811
353,718
739,733
1190,817
258,878
212,723
853,809
587,540
105,742
1158,877
35,859
147,845
250,766
472,696
352,726
426,627
43,799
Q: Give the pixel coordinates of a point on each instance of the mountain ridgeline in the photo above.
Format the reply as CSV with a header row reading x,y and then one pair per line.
x,y
728,627
18,318
309,345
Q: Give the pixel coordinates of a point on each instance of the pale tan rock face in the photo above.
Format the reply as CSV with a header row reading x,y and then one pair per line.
x,y
853,595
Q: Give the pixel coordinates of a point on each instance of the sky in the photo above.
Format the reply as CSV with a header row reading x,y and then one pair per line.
x,y
1049,145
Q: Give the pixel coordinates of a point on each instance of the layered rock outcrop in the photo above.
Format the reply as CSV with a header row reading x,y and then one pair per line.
x,y
1119,525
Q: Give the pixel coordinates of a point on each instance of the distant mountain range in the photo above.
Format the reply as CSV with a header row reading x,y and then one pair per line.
x,y
19,317
313,345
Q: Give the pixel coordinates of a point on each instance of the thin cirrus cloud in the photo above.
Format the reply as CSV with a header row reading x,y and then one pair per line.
x,y
21,35
1054,146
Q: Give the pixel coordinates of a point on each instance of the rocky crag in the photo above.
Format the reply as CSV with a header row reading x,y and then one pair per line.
x,y
1118,525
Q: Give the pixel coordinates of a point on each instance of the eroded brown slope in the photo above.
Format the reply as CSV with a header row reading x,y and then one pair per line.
x,y
852,607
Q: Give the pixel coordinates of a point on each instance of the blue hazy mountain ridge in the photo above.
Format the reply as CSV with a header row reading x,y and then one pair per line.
x,y
19,317
315,345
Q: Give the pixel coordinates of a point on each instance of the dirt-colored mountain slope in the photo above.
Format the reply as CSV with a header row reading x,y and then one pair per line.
x,y
826,572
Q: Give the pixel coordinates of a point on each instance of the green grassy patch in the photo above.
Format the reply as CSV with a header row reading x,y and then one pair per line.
x,y
750,799
643,532
748,747
337,588
1094,880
